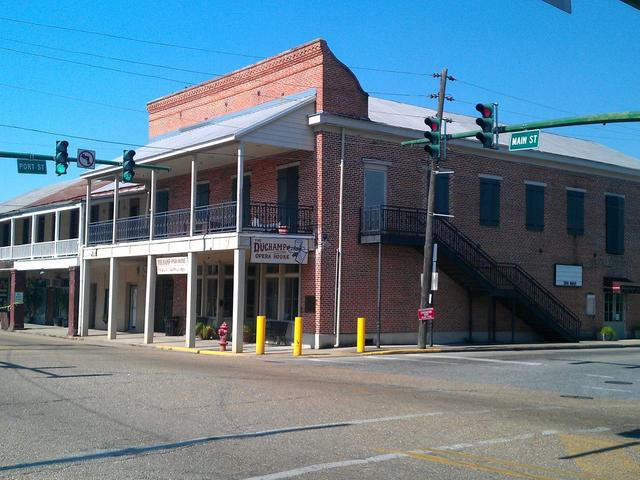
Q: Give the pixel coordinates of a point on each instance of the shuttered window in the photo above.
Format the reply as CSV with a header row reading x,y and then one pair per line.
x,y
442,194
489,202
575,212
535,207
614,219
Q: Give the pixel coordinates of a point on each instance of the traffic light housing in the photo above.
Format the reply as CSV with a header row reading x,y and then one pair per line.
x,y
433,135
128,165
486,123
62,157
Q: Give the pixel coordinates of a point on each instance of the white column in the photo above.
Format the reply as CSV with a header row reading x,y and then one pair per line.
x,y
56,231
150,299
12,240
192,287
85,300
219,306
239,284
87,214
113,298
34,231
194,183
152,206
239,187
81,220
116,210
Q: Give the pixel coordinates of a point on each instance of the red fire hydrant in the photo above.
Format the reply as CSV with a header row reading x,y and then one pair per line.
x,y
222,333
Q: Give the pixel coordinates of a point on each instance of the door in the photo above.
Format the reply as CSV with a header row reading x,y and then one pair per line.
x,y
93,297
288,198
614,313
163,302
132,298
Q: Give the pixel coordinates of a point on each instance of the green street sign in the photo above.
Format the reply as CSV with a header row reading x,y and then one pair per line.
x,y
32,166
524,140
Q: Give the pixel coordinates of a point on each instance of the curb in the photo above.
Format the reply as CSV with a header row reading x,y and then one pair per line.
x,y
198,351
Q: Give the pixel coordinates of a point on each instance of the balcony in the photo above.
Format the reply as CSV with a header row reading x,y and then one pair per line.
x,y
393,225
28,251
209,219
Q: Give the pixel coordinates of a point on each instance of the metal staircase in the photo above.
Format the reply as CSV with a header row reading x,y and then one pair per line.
x,y
470,266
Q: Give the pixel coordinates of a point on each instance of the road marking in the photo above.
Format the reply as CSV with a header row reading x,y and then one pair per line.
x,y
598,376
610,389
479,359
601,457
328,466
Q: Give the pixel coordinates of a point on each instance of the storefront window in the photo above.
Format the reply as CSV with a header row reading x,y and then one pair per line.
x,y
210,309
291,298
271,298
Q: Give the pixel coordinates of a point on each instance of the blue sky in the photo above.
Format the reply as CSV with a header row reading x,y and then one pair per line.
x,y
535,60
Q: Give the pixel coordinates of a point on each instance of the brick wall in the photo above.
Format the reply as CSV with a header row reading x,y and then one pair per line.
x,y
311,65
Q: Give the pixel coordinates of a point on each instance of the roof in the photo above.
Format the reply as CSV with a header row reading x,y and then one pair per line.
x,y
404,115
218,130
39,196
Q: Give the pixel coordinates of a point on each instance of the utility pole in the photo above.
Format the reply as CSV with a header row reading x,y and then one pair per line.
x,y
428,239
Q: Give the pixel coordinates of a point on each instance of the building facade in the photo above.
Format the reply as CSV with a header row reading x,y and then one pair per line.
x,y
289,194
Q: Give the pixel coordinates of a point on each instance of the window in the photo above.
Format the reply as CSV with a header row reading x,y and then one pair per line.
x,y
40,228
74,223
489,202
202,194
288,197
441,205
162,201
535,207
134,207
95,213
614,219
575,212
375,186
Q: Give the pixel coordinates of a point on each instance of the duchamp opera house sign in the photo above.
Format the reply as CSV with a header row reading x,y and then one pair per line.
x,y
278,250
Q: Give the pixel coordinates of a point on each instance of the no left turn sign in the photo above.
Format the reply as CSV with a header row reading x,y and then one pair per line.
x,y
86,158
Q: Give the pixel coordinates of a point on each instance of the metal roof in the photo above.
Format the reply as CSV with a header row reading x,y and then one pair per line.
x,y
404,115
33,197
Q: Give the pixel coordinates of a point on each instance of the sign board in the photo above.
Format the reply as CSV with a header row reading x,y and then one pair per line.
x,y
524,140
568,275
18,298
425,314
32,166
279,250
615,287
172,265
86,158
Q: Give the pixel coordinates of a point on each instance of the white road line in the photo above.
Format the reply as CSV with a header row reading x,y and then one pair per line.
x,y
319,467
328,466
479,359
610,389
598,376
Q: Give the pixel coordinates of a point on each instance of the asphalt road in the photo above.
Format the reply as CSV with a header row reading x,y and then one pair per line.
x,y
69,409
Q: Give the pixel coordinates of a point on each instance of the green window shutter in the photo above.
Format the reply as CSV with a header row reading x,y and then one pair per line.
x,y
575,212
614,224
534,207
489,202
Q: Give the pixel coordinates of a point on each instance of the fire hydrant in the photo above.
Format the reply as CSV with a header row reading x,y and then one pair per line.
x,y
222,333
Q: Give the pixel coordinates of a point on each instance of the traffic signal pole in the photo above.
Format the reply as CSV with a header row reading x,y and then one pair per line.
x,y
52,158
428,239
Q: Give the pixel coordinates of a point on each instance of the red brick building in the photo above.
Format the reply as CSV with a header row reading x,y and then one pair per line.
x,y
289,191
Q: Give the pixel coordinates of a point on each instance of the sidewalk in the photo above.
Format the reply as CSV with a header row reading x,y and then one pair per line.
x,y
211,347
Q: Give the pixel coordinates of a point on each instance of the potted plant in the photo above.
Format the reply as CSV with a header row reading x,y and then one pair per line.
x,y
249,333
607,333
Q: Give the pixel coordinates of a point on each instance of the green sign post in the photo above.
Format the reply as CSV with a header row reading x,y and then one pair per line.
x,y
524,140
32,166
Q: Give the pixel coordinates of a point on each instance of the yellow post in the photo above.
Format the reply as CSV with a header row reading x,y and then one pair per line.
x,y
297,337
360,339
261,327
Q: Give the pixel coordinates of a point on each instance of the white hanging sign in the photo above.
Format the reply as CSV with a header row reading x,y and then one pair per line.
x,y
279,250
171,265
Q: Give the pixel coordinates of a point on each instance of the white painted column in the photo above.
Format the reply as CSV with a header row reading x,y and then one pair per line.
x,y
87,214
192,288
113,298
239,187
56,231
81,220
152,206
34,231
194,185
150,299
12,240
85,300
219,306
239,285
116,210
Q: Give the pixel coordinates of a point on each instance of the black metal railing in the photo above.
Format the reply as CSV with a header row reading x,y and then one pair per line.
x,y
257,217
506,277
392,220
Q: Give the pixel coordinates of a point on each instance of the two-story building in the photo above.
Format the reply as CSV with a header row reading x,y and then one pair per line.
x,y
289,194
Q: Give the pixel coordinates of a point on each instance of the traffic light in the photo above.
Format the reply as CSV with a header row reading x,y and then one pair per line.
x,y
433,135
128,164
485,122
62,157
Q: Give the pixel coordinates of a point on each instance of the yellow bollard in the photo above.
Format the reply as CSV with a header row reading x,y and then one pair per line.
x,y
261,328
360,338
297,337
